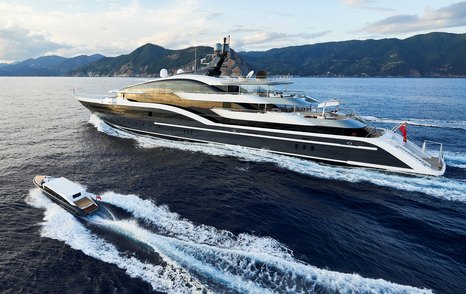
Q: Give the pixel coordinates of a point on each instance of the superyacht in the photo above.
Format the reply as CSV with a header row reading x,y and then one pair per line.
x,y
260,112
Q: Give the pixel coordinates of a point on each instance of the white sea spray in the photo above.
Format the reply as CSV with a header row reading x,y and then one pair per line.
x,y
246,264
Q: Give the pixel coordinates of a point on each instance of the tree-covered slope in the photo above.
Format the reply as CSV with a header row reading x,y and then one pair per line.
x,y
149,59
434,54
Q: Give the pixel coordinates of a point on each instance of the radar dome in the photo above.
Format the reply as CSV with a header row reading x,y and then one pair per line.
x,y
218,47
163,73
179,71
262,74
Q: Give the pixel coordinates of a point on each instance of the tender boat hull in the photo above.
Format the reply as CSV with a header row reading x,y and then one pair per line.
x,y
59,200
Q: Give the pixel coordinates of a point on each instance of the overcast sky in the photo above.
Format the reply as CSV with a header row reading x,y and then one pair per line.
x,y
33,28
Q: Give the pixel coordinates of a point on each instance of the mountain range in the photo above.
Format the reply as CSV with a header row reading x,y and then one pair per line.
x,y
47,65
149,59
427,55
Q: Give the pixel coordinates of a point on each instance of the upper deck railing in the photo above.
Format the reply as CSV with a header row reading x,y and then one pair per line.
x,y
269,81
432,156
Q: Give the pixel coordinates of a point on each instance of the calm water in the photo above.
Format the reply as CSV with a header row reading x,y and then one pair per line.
x,y
207,218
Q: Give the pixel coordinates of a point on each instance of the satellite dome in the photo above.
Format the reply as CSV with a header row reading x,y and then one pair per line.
x,y
163,73
262,74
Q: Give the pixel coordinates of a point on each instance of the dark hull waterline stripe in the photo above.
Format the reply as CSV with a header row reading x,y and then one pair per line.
x,y
321,159
268,137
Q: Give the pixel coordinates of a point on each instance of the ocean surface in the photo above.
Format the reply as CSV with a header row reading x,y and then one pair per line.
x,y
204,218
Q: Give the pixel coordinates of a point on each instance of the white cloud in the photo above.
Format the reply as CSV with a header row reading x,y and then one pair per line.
x,y
358,2
118,30
432,19
114,27
122,28
365,4
264,40
17,43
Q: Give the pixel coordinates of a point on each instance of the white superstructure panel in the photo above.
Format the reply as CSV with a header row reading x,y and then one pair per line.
x,y
219,97
64,188
270,116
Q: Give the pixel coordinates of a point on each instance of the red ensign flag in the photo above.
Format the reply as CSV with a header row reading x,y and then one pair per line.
x,y
403,129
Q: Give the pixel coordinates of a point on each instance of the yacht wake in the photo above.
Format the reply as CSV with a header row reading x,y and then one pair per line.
x,y
197,255
441,187
456,159
450,124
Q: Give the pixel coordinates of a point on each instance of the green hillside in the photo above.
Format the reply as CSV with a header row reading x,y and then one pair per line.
x,y
429,55
149,59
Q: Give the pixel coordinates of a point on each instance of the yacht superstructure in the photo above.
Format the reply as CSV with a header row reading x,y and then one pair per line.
x,y
258,112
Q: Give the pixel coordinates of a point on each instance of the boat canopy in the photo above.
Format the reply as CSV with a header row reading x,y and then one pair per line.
x,y
330,103
65,188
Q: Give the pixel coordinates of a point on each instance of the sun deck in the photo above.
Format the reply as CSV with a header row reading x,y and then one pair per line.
x,y
84,202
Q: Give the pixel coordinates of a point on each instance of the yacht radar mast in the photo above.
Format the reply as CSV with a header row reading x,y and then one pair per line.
x,y
220,54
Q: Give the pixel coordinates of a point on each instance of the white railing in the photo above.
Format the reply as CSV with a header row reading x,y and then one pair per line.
x,y
398,126
427,157
242,110
428,153
268,78
280,93
281,77
423,152
410,148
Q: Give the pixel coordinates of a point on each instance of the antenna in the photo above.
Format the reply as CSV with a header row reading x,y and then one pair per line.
x,y
195,59
226,45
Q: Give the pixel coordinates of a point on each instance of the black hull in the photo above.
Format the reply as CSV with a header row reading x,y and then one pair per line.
x,y
69,208
342,150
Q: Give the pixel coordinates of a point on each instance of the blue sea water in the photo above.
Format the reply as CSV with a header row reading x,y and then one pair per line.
x,y
207,218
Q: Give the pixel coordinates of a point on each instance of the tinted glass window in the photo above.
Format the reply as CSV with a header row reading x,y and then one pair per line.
x,y
174,86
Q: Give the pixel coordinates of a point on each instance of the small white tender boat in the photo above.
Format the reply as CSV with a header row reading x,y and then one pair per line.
x,y
67,194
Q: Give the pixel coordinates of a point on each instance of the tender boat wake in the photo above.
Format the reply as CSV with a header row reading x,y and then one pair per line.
x,y
195,256
441,187
456,159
